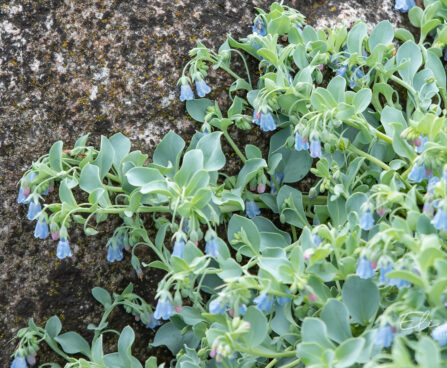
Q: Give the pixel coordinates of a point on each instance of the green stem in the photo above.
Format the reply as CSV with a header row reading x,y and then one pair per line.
x,y
403,84
374,160
113,177
272,363
233,145
293,363
265,353
111,188
294,236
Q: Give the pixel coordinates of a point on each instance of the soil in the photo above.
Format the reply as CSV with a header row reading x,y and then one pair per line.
x,y
72,67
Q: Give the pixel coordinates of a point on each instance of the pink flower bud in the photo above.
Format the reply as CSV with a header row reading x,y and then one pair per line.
x,y
31,359
137,318
196,243
252,188
55,235
213,353
261,188
381,211
231,313
247,324
373,265
417,142
127,248
312,297
51,189
321,67
26,191
178,308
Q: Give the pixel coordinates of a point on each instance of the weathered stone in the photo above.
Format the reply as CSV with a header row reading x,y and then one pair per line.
x,y
72,67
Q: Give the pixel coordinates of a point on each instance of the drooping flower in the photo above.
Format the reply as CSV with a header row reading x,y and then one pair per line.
x,y
384,336
211,248
217,306
256,117
404,5
440,219
63,249
341,71
242,309
418,172
364,268
251,209
261,188
381,211
19,362
419,143
279,177
366,220
54,229
41,231
317,239
114,253
33,209
150,321
179,245
259,28
202,88
31,359
384,271
186,92
357,75
264,301
283,300
440,334
164,309
315,148
301,143
267,123
23,195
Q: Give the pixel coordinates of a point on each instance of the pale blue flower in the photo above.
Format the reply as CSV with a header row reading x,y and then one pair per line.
x,y
242,309
315,148
41,231
211,248
19,362
267,123
384,336
283,300
341,71
418,173
366,220
164,309
114,253
264,302
419,147
384,271
179,245
364,268
22,198
251,209
440,220
63,249
217,306
186,92
279,177
317,239
33,209
259,28
440,334
301,143
202,88
404,5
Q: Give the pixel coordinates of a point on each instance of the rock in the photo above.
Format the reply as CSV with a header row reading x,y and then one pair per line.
x,y
68,68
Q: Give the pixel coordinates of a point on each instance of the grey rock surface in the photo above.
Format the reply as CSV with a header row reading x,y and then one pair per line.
x,y
71,67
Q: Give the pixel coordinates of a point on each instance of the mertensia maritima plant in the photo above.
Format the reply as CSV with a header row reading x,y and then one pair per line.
x,y
352,273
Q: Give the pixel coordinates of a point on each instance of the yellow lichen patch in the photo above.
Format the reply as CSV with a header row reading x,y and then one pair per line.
x,y
332,9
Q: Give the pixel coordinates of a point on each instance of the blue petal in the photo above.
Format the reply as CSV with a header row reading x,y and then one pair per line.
x,y
315,148
41,231
163,310
404,5
217,306
364,269
440,220
385,336
440,334
63,249
202,88
267,123
178,248
251,209
19,362
33,209
301,144
341,71
264,302
211,248
186,92
367,220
